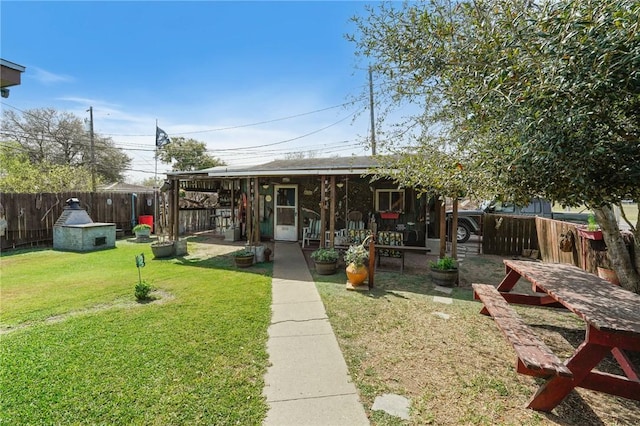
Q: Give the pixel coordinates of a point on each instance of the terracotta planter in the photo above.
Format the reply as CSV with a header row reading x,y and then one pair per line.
x,y
326,268
357,274
444,277
609,275
244,261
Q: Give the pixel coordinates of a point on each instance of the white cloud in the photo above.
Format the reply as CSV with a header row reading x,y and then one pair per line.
x,y
47,77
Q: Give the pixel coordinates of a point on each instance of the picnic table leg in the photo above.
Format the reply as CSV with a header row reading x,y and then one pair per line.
x,y
509,281
626,364
550,394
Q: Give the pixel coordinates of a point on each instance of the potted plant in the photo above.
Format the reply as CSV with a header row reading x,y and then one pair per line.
x,y
243,258
356,257
592,230
325,260
142,231
162,247
444,271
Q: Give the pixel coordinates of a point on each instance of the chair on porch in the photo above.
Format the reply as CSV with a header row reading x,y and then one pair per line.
x,y
390,238
311,232
354,220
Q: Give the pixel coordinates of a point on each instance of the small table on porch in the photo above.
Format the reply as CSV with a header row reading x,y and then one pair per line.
x,y
612,318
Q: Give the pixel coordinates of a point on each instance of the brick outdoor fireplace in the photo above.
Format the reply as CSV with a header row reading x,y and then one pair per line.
x,y
75,231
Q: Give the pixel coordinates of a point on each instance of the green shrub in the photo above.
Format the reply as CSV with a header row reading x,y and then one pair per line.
x,y
325,255
141,227
445,263
142,291
356,254
242,253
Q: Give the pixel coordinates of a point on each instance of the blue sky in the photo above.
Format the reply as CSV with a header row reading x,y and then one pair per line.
x,y
203,69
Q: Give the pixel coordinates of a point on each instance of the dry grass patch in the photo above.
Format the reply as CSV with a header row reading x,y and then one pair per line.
x,y
455,371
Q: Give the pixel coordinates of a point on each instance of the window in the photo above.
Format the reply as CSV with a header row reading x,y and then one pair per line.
x,y
501,207
389,200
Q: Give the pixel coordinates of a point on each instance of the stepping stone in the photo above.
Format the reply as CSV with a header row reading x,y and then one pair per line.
x,y
445,300
441,289
395,405
442,315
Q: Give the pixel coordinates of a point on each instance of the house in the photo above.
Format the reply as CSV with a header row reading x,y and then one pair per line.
x,y
279,199
10,75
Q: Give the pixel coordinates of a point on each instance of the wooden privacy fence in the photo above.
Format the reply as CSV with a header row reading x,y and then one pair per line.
x,y
508,235
192,220
28,219
585,253
550,233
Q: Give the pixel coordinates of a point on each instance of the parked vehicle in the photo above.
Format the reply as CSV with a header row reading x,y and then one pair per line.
x,y
469,221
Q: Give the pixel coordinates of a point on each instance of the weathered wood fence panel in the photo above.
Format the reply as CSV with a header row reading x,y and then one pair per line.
x,y
194,220
586,254
508,235
549,235
30,217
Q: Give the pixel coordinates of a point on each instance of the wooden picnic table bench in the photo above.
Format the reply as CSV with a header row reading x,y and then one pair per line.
x,y
534,357
612,320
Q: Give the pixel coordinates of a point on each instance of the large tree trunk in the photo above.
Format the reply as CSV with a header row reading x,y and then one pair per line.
x,y
635,229
618,253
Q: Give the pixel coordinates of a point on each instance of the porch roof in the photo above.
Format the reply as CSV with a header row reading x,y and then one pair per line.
x,y
297,167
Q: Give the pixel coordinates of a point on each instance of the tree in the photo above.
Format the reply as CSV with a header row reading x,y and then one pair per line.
x,y
542,98
53,137
19,174
187,155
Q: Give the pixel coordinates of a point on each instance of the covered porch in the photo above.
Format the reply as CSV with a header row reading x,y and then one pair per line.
x,y
313,201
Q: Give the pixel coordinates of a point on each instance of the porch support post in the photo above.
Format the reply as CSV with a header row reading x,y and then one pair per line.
x,y
332,212
248,212
323,213
256,212
234,217
443,226
454,230
175,209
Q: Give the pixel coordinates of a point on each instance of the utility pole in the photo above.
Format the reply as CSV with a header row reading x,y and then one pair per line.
x,y
373,121
93,155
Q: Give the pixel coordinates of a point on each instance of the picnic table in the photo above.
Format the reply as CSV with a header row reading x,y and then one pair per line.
x,y
612,321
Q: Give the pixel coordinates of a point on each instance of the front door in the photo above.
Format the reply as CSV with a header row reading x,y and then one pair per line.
x,y
286,213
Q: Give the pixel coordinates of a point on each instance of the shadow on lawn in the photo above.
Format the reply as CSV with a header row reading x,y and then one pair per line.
x,y
575,337
224,262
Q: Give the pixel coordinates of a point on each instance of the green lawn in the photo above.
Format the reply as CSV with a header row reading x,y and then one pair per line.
x,y
78,349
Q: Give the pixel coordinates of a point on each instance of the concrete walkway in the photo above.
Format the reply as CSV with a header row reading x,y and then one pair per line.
x,y
307,382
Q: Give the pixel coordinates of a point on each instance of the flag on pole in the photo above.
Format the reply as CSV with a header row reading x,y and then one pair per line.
x,y
162,138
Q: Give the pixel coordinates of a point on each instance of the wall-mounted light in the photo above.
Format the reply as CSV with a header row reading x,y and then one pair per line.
x,y
339,184
285,179
265,185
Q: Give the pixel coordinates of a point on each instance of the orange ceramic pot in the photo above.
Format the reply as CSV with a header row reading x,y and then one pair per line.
x,y
357,274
